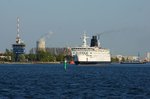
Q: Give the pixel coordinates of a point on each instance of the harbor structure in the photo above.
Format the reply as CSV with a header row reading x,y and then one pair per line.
x,y
19,46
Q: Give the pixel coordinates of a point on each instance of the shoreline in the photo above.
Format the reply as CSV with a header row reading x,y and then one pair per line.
x,y
30,62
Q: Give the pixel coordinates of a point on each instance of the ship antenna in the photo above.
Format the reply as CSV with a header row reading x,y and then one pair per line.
x,y
18,40
18,26
98,37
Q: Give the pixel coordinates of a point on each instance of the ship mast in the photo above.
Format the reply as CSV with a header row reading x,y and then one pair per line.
x,y
84,40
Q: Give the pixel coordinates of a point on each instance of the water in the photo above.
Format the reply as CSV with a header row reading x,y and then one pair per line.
x,y
51,81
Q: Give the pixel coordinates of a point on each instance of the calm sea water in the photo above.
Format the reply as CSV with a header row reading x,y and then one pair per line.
x,y
51,81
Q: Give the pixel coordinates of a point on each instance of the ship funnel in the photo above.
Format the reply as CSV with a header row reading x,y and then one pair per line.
x,y
94,41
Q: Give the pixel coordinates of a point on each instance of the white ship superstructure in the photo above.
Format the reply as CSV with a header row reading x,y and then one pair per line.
x,y
92,54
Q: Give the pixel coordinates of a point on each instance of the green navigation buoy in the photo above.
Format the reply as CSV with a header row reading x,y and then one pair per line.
x,y
65,64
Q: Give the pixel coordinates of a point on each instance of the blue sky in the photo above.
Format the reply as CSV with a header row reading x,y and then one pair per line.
x,y
125,23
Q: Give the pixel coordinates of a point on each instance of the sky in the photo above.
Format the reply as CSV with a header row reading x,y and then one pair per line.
x,y
124,24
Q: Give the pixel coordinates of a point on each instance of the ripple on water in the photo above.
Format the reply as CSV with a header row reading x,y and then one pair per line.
x,y
51,81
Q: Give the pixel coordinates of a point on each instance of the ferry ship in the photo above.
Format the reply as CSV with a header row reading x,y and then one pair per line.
x,y
93,54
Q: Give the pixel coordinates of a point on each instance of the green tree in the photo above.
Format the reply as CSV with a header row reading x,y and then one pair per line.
x,y
60,57
123,59
45,56
114,59
31,57
8,55
22,58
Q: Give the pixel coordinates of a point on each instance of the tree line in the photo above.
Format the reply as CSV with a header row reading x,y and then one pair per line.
x,y
40,56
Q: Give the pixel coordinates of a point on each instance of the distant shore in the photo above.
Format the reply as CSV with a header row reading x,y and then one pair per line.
x,y
30,62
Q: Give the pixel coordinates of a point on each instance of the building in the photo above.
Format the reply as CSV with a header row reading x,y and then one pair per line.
x,y
19,46
3,56
148,57
127,58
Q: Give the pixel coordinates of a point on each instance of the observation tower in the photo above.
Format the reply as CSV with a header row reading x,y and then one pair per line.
x,y
19,46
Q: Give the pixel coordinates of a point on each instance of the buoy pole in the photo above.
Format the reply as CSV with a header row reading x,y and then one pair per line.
x,y
65,64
